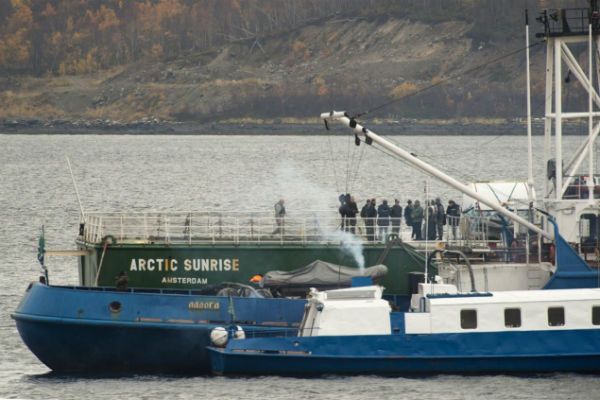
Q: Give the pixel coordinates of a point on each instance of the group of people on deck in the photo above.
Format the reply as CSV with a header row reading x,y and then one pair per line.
x,y
379,218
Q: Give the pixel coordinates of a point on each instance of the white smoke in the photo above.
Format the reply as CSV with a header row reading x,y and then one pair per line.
x,y
352,245
302,193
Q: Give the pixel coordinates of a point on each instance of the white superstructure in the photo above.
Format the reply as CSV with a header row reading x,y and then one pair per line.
x,y
351,311
532,310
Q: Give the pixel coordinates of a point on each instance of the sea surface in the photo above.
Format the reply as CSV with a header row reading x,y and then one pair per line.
x,y
230,173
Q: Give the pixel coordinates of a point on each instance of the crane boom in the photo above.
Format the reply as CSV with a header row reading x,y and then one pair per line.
x,y
413,160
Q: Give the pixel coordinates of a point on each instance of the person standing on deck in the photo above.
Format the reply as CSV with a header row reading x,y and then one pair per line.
x,y
440,218
364,214
344,211
396,215
453,213
352,210
372,217
408,217
279,217
431,220
383,220
417,219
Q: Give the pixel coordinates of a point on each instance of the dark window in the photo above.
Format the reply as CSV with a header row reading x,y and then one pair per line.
x,y
556,316
468,319
596,315
512,317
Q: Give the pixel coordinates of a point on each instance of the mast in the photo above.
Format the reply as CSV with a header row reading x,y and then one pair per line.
x,y
590,181
570,184
529,140
82,215
361,131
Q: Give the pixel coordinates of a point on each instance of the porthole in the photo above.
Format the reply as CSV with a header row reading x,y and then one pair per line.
x,y
115,307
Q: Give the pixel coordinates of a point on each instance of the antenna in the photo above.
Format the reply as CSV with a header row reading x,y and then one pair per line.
x,y
76,191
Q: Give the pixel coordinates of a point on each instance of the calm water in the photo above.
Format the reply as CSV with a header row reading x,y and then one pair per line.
x,y
189,173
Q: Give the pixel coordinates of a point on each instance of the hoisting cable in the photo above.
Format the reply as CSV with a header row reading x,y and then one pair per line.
x,y
337,186
347,164
362,153
451,77
351,169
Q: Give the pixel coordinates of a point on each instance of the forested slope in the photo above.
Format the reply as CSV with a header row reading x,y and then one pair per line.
x,y
214,60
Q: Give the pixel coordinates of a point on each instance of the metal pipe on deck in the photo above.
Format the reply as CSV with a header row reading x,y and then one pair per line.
x,y
431,170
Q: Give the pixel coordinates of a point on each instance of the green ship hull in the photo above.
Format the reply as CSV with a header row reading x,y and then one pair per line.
x,y
184,266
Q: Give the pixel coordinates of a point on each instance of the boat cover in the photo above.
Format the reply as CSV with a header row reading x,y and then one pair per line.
x,y
320,274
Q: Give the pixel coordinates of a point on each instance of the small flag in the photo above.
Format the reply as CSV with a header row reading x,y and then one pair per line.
x,y
41,247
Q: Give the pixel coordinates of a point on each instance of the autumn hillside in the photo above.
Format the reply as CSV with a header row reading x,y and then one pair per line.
x,y
264,60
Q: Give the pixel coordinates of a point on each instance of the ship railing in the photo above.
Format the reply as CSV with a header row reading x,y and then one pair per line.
x,y
260,228
578,189
568,21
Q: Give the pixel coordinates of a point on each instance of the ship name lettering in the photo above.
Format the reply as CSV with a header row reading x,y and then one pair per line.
x,y
184,280
153,264
211,264
204,305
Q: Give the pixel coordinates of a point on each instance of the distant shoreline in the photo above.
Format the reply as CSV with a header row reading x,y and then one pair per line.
x,y
415,128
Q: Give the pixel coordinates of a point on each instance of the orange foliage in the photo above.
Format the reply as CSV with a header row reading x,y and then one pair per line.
x,y
71,36
403,89
322,89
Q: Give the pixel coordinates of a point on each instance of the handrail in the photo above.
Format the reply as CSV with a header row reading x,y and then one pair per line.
x,y
261,228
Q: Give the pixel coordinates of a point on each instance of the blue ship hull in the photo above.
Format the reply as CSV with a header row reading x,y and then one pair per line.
x,y
404,354
73,329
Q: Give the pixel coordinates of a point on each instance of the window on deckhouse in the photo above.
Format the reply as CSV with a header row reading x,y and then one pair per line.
x,y
596,315
468,319
556,316
512,317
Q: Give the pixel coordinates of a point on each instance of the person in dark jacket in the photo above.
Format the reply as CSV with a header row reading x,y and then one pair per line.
x,y
396,215
121,282
408,217
431,220
351,212
371,218
440,218
453,215
364,214
417,219
343,210
383,219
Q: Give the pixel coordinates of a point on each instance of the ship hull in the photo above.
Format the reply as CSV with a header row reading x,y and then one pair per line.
x,y
481,353
74,329
196,266
115,348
